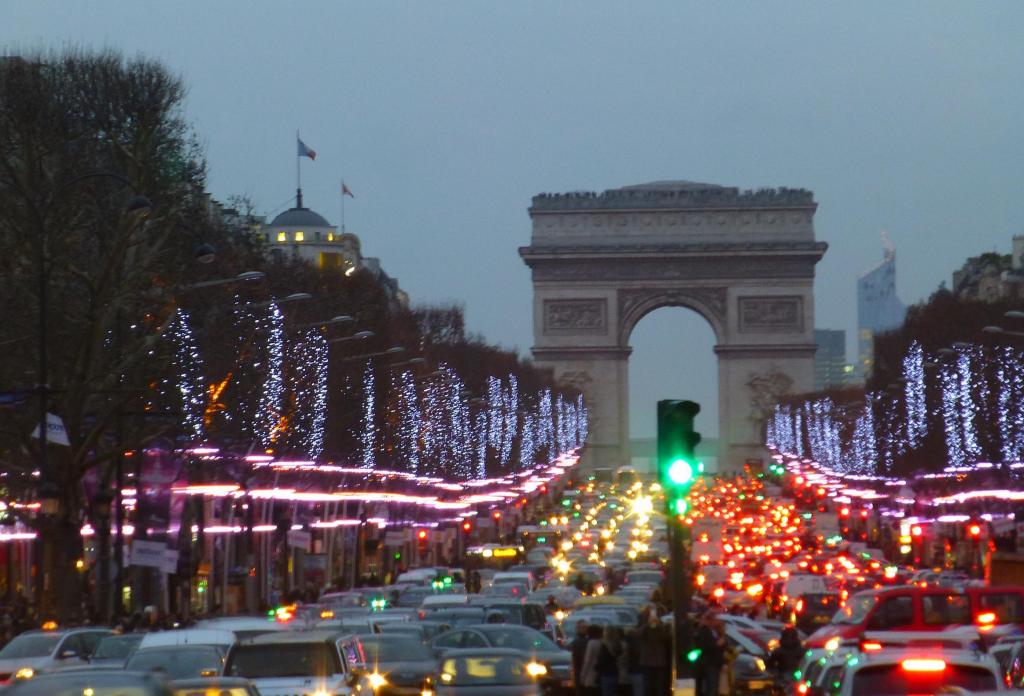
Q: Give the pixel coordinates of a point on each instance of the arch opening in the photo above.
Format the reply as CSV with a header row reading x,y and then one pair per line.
x,y
673,358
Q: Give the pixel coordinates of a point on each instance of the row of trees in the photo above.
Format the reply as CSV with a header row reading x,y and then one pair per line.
x,y
944,394
116,320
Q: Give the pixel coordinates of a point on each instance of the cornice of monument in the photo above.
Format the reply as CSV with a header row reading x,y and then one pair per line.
x,y
669,197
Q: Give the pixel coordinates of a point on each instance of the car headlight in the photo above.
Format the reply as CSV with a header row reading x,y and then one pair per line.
x,y
376,680
25,673
760,664
536,669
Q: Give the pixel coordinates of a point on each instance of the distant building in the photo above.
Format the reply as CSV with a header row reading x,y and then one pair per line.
x,y
305,234
992,277
878,307
830,368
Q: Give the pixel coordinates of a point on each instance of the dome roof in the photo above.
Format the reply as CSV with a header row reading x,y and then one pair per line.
x,y
299,217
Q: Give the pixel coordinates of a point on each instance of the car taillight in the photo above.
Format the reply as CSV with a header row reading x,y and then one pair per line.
x,y
799,605
925,664
988,617
870,646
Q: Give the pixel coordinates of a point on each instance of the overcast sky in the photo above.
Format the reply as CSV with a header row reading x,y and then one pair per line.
x,y
446,117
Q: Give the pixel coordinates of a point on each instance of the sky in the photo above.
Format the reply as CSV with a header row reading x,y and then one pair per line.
x,y
445,118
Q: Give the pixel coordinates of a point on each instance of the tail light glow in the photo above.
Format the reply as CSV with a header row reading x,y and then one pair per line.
x,y
925,664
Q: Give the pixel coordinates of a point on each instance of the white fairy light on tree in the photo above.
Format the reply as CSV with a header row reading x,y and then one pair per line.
x,y
308,365
480,443
410,421
189,364
271,397
967,407
951,415
914,395
547,432
510,417
368,425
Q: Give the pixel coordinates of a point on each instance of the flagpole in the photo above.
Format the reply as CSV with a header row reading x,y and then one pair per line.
x,y
298,172
342,191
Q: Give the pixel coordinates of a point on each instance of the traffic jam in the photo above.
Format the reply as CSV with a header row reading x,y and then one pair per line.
x,y
793,590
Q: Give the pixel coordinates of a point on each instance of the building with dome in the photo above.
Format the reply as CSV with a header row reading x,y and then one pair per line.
x,y
303,233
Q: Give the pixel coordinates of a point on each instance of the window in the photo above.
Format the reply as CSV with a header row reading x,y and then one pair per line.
x,y
300,236
942,610
895,612
318,236
1008,606
450,640
282,236
330,236
474,640
329,260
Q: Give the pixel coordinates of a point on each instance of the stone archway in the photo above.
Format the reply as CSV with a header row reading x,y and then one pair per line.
x,y
742,260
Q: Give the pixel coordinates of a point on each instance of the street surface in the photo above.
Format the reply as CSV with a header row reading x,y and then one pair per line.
x,y
790,594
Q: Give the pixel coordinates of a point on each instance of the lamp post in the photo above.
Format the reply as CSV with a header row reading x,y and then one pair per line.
x,y
101,512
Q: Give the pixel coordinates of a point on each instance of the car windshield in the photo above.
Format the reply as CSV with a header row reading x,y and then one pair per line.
x,y
96,683
177,662
894,680
820,602
283,660
30,645
116,647
480,670
395,649
855,611
525,639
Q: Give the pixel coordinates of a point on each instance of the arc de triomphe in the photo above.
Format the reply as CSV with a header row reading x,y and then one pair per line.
x,y
742,260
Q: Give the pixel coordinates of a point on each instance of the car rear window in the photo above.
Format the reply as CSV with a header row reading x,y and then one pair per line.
x,y
479,670
283,660
821,603
894,680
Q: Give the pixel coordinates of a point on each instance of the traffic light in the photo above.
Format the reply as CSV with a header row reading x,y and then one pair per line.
x,y
421,535
467,526
678,468
974,530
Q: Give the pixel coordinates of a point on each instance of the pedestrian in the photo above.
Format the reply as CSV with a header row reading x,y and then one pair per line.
x,y
589,676
655,649
577,648
785,659
633,668
607,665
711,643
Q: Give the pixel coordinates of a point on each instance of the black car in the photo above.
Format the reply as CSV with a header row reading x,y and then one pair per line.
x,y
391,665
557,676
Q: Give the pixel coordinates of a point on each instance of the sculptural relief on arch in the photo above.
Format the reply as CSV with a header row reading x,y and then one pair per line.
x,y
743,260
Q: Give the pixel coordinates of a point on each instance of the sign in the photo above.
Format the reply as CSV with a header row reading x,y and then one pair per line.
x,y
505,552
394,538
148,554
170,564
56,434
300,539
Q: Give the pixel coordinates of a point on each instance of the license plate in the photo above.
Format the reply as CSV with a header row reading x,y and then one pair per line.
x,y
821,619
755,685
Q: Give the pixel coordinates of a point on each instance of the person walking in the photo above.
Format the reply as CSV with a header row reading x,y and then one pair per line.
x,y
589,677
607,665
633,668
654,642
710,641
577,648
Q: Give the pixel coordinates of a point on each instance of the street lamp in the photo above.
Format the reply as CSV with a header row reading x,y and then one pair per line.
x,y
357,336
205,254
243,277
294,297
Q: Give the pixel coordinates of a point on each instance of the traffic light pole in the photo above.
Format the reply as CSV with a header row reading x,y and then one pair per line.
x,y
678,469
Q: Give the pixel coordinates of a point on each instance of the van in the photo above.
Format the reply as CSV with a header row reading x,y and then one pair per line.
x,y
514,577
922,609
188,636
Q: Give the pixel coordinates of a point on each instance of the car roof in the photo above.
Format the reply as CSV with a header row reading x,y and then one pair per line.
x,y
490,652
314,636
205,682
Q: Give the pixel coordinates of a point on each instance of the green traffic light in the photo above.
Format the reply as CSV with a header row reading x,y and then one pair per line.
x,y
680,472
680,506
693,655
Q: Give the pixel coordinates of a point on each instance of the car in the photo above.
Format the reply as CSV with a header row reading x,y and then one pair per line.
x,y
813,610
507,589
515,577
218,686
280,664
113,650
532,643
456,616
490,672
34,652
244,627
178,661
188,636
389,665
101,682
916,671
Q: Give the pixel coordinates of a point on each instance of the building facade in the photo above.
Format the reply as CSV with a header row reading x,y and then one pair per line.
x,y
992,277
830,368
879,309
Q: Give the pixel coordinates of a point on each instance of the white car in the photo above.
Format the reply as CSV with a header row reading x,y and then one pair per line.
x,y
188,636
919,671
34,652
297,662
515,577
